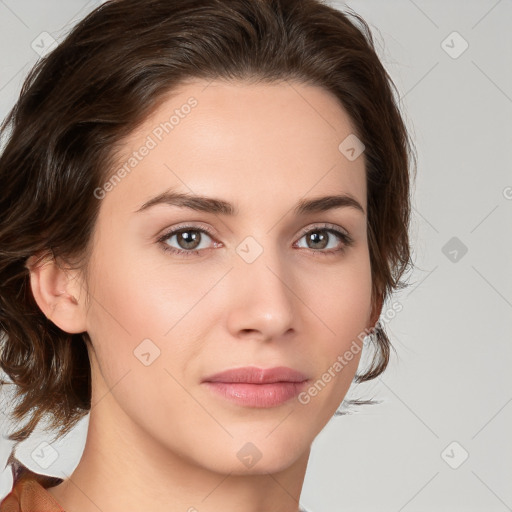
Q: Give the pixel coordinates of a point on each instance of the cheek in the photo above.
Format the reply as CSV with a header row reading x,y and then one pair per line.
x,y
341,297
141,295
136,292
342,303
138,297
131,319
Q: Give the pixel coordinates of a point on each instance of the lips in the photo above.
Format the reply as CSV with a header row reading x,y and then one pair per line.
x,y
257,387
254,375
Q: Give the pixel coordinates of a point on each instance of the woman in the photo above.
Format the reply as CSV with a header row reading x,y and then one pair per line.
x,y
205,206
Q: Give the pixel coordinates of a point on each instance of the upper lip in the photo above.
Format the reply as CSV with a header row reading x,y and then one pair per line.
x,y
253,375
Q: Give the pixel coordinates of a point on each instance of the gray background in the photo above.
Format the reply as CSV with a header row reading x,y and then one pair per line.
x,y
438,439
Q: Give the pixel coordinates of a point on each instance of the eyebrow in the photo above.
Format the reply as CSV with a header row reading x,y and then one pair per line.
x,y
219,206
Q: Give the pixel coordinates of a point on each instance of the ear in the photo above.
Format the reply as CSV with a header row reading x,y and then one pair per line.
x,y
57,292
376,311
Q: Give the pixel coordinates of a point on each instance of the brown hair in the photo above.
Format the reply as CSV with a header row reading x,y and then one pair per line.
x,y
80,101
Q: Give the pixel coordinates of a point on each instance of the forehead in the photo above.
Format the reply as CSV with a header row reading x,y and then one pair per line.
x,y
240,140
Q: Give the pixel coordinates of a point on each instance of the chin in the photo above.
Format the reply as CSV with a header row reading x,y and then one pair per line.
x,y
257,455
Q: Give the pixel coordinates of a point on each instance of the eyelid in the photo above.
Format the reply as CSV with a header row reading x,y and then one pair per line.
x,y
210,231
342,233
322,225
186,225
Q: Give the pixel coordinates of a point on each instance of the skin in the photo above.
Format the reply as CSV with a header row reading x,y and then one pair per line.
x,y
158,439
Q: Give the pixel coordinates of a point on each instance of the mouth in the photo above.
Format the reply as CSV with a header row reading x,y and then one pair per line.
x,y
257,395
257,387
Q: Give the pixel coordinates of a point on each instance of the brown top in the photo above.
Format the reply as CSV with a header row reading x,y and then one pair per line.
x,y
29,494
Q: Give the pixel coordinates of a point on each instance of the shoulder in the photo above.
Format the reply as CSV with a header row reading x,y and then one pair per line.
x,y
29,493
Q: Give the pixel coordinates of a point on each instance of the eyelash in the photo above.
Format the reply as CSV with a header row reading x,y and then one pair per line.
x,y
345,238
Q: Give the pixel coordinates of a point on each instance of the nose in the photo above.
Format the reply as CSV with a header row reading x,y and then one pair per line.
x,y
263,303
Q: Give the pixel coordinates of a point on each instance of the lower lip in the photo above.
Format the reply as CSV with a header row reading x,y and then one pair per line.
x,y
257,395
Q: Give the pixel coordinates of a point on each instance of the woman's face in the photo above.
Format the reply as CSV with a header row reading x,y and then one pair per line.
x,y
265,285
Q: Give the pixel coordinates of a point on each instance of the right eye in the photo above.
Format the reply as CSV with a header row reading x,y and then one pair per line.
x,y
188,238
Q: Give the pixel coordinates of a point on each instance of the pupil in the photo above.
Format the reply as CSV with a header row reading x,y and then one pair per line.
x,y
322,238
189,240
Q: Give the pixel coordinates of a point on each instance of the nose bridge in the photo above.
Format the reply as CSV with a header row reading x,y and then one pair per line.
x,y
264,300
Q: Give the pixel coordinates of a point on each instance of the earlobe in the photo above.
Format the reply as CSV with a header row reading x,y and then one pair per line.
x,y
376,311
55,290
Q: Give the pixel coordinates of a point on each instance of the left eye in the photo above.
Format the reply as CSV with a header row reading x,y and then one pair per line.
x,y
321,237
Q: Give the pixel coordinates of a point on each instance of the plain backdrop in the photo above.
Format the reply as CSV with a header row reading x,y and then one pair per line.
x,y
440,438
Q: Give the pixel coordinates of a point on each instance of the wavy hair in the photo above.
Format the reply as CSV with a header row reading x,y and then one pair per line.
x,y
112,70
